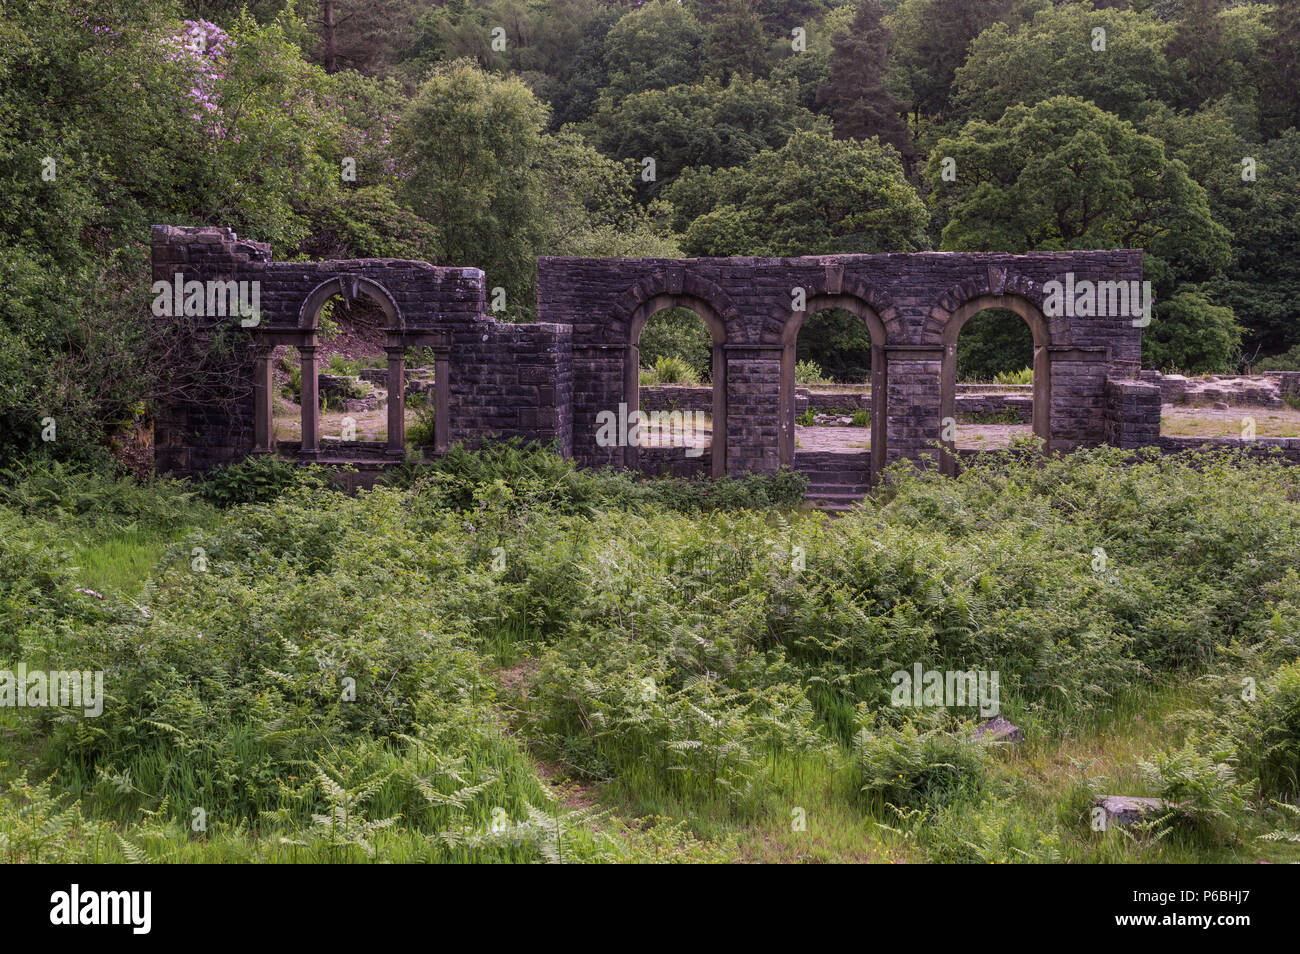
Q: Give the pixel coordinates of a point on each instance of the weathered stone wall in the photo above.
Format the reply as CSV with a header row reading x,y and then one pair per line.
x,y
911,298
504,380
1132,413
1281,448
1259,390
549,381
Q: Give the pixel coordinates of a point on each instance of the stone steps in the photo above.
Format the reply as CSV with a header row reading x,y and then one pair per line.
x,y
836,481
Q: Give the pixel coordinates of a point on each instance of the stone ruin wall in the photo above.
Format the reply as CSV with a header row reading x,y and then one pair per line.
x,y
548,380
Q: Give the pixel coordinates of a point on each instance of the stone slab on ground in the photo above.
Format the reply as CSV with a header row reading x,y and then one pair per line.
x,y
999,729
1126,810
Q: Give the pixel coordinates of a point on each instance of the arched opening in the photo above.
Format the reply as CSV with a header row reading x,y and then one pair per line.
x,y
668,325
1001,366
338,386
844,333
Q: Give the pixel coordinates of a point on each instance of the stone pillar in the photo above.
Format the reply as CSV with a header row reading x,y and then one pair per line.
x,y
310,401
263,428
753,409
441,401
396,400
916,402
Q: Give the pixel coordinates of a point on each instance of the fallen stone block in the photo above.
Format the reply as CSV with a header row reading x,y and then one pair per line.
x,y
999,729
1126,810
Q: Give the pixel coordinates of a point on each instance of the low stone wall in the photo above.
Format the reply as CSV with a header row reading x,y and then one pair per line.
x,y
1132,413
677,397
971,399
673,462
1020,405
1258,390
1286,448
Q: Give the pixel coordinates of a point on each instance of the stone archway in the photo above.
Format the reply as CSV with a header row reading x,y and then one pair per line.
x,y
859,306
351,288
642,313
1039,328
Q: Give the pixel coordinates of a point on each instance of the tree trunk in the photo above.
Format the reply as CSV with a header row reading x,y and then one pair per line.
x,y
329,46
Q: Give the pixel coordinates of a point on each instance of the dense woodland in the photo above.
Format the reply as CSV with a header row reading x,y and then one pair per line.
x,y
486,134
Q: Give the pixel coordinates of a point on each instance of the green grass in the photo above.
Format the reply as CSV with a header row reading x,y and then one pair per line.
x,y
553,666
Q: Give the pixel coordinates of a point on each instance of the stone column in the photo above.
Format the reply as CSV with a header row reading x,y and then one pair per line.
x,y
918,403
310,401
263,429
396,400
441,401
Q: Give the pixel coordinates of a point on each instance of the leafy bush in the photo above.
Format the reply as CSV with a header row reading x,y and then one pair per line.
x,y
1286,361
927,761
256,480
538,477
1268,733
1023,376
53,490
807,372
1202,785
670,369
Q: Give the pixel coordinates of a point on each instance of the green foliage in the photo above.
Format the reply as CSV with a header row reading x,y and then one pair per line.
x,y
512,475
51,490
658,45
470,135
861,104
1202,786
1288,361
807,372
1191,334
256,480
931,38
669,369
591,207
1263,282
1268,734
839,342
994,342
1054,55
681,334
921,763
695,126
813,195
1024,182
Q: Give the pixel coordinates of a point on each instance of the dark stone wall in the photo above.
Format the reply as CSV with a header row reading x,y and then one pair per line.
x,y
549,380
505,380
914,297
1132,413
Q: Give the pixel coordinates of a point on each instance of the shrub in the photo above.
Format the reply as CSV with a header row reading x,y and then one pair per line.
x,y
1268,736
94,498
1203,785
925,762
807,372
670,369
1286,361
1023,376
255,480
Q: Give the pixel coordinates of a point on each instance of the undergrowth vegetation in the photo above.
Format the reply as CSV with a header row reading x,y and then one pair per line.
x,y
412,672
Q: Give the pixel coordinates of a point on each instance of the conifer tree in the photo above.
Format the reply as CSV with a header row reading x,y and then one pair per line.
x,y
861,105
